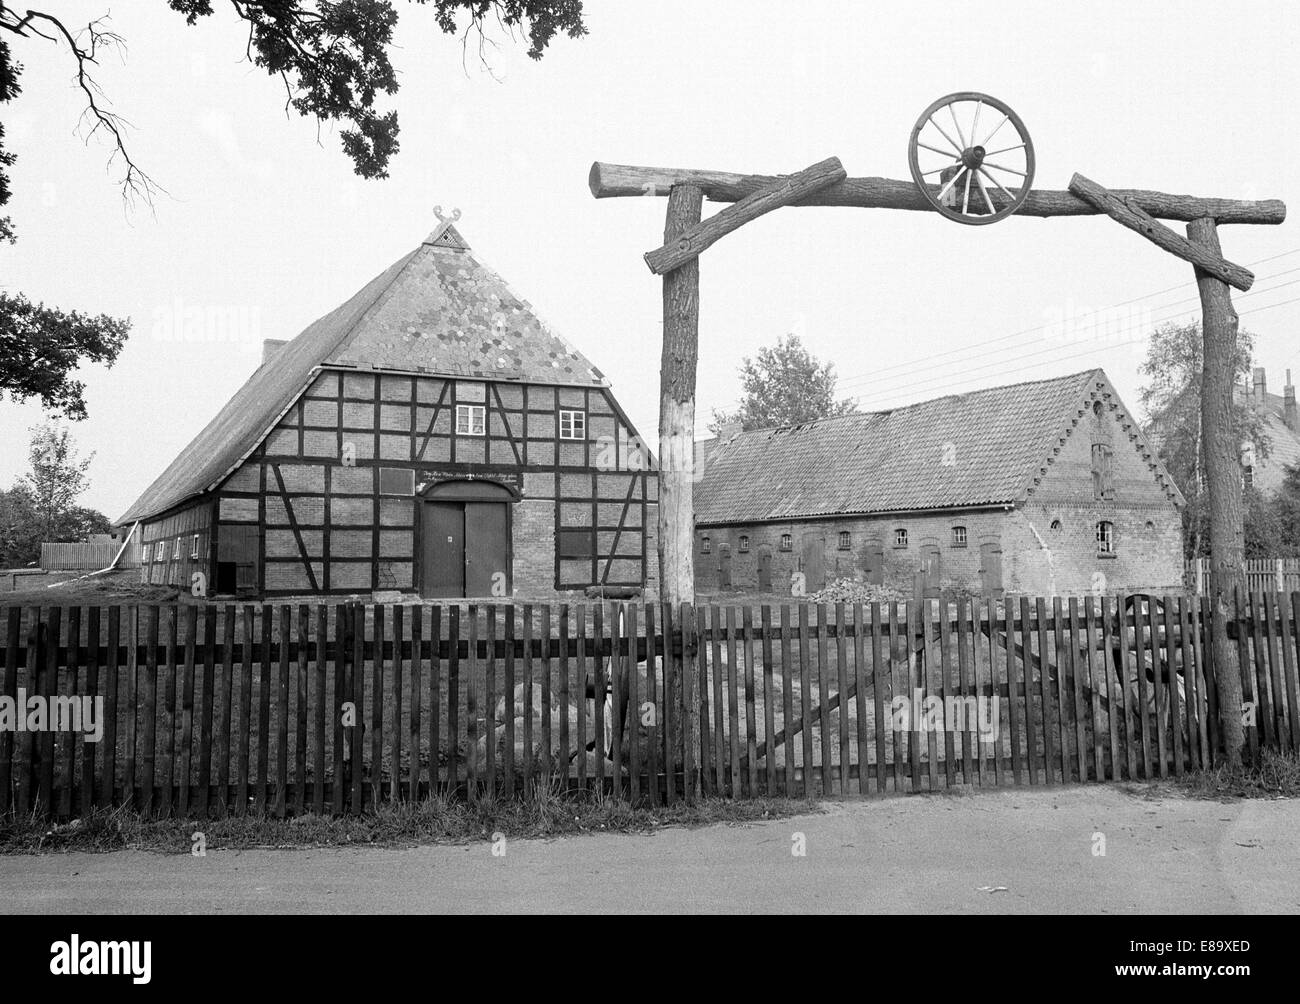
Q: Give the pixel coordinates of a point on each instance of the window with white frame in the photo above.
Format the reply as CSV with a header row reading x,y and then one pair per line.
x,y
160,552
1105,537
787,542
900,537
958,536
744,544
706,546
844,540
573,424
176,549
470,419
194,547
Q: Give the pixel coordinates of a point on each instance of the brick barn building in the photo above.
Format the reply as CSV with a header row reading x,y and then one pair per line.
x,y
1032,488
429,436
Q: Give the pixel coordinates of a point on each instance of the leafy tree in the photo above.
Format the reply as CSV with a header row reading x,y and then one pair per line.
x,y
1172,401
1286,507
332,57
785,385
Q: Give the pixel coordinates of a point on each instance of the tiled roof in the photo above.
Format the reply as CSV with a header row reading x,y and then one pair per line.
x,y
983,448
437,309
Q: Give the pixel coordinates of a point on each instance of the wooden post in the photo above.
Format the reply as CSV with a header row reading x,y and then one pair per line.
x,y
677,407
1223,480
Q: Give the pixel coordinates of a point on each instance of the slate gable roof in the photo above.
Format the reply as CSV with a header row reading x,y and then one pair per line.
x,y
999,443
437,310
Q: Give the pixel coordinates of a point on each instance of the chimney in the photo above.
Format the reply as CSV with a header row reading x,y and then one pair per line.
x,y
1260,388
1289,415
270,346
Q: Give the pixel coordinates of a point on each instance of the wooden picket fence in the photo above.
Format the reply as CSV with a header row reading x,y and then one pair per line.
x,y
1265,575
214,710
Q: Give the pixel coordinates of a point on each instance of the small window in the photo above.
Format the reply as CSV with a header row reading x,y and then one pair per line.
x,y
160,552
1150,526
844,540
744,544
396,481
194,547
1096,408
176,549
900,537
786,542
1248,476
1105,537
1056,526
469,419
958,536
706,545
573,425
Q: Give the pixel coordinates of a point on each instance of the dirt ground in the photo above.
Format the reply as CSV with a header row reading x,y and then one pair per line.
x,y
1019,851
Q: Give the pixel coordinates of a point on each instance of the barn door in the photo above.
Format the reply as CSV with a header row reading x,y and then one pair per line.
x,y
930,569
765,570
443,561
873,561
991,569
814,562
487,549
238,550
724,566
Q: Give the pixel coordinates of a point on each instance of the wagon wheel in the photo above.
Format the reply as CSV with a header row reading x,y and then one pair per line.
x,y
969,172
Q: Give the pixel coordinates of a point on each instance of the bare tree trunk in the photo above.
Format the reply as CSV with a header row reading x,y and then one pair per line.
x,y
1222,482
677,407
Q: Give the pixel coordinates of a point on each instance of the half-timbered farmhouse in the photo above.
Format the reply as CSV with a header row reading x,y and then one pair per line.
x,y
1040,487
431,435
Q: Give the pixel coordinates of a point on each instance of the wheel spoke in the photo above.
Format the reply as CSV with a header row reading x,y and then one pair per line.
x,y
994,153
938,169
945,135
957,125
935,149
995,130
998,183
975,126
951,181
1009,170
965,200
985,192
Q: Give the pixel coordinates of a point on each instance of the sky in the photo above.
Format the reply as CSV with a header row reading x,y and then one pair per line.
x,y
263,226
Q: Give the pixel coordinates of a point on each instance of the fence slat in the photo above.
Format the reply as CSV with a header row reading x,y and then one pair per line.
x,y
1014,688
1186,628
416,740
1057,731
203,793
564,695
489,764
995,687
967,688
1076,674
1276,682
1291,656
357,694
508,782
944,691
280,803
702,671
453,694
751,724
547,738
473,768
13,627
880,675
395,739
186,750
301,691
652,695
669,716
634,703
805,699
435,700
265,673
318,747
224,733
716,630
598,690
342,656
842,667
149,710
1094,690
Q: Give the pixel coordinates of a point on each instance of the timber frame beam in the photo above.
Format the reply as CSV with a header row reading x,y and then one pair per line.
x,y
609,181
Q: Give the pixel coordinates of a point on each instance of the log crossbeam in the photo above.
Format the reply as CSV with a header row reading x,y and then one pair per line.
x,y
609,181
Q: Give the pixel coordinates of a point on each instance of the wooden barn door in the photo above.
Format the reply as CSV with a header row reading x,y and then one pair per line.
x,y
991,569
765,569
724,566
487,549
931,565
814,561
444,549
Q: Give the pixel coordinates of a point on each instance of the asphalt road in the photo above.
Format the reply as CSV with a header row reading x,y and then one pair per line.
x,y
991,852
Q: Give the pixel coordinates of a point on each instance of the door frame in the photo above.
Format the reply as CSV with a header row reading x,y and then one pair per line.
x,y
467,489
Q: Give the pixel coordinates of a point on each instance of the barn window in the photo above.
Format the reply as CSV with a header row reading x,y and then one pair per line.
x,y
396,481
1103,474
469,419
1105,537
958,536
706,545
194,547
744,544
573,425
786,542
1247,476
576,544
900,537
176,549
844,540
1056,526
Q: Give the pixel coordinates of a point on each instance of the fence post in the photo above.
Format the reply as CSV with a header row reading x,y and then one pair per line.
x,y
1279,577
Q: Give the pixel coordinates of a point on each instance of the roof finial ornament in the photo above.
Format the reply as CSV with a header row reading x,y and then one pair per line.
x,y
440,235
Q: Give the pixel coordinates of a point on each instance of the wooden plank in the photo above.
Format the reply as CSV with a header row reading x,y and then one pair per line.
x,y
1266,715
1134,740
301,689
1241,609
689,705
167,701
9,690
322,700
435,699
823,699
1031,734
472,766
564,696
66,761
108,745
1064,700
897,674
652,695
415,738
716,630
1186,628
621,643
733,706
453,692
225,732
207,695
968,689
995,686
915,643
1014,686
508,781
769,700
24,770
547,739
490,702
751,723
1209,699
1170,686
1128,213
880,672
599,684
634,703
357,695
1046,694
148,710
667,720
342,655
1114,695
1275,673
1151,745
187,710
842,666
618,180
805,699
787,700
707,786
688,244
280,802
1291,657
1094,689
1076,673
264,675
945,689
396,728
